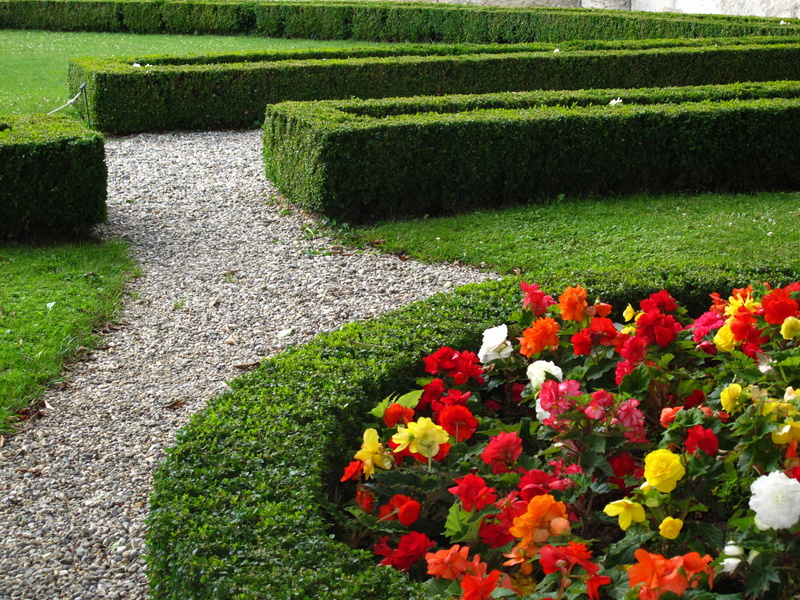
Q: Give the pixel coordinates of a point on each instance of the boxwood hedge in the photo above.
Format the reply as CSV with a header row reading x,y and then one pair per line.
x,y
376,21
242,504
52,177
134,94
359,161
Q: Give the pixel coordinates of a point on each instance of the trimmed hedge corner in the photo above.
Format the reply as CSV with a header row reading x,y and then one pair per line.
x,y
241,507
361,161
52,177
157,93
374,21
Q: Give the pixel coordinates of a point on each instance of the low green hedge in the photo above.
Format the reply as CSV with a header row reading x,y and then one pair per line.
x,y
241,504
429,156
376,21
231,90
52,177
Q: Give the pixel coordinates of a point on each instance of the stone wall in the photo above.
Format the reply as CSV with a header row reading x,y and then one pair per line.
x,y
760,8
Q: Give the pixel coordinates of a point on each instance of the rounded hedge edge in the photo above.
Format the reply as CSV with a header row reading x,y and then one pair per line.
x,y
241,507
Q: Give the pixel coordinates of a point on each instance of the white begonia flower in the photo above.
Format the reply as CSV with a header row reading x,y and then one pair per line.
x,y
537,372
776,501
615,101
136,65
495,344
541,413
764,363
789,395
729,564
732,550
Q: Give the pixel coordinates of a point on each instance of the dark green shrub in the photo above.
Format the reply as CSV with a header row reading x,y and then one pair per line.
x,y
52,177
427,156
231,90
377,21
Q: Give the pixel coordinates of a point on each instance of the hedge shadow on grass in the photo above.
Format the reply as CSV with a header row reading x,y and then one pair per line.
x,y
240,508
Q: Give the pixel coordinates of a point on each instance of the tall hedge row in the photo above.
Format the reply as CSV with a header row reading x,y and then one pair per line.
x,y
440,157
166,93
52,177
378,21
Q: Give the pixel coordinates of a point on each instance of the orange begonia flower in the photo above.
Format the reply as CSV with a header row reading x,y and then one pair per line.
x,y
658,575
573,303
521,555
448,564
542,334
544,518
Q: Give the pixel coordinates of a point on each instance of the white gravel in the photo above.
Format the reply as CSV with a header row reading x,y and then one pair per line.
x,y
229,275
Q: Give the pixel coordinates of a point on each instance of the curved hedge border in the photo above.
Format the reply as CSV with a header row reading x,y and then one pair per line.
x,y
52,177
130,95
376,21
241,504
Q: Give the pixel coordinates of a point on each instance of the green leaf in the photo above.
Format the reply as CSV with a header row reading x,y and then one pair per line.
x,y
462,526
762,574
665,360
409,400
636,382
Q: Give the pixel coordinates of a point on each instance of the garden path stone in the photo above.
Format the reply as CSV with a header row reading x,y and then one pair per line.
x,y
226,268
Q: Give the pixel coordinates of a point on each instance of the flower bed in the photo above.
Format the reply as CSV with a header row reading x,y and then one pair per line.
x,y
573,456
241,507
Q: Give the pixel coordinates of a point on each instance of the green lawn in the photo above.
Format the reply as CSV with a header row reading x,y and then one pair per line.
x,y
636,234
51,300
33,64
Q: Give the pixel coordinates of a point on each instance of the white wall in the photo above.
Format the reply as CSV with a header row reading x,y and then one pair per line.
x,y
760,8
610,4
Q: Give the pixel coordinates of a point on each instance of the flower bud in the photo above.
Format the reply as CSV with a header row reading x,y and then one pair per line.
x,y
732,550
729,564
707,347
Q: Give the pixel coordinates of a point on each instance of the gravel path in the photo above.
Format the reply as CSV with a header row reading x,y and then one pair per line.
x,y
228,278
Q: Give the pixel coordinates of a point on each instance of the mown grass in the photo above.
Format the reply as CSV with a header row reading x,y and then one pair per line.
x,y
33,64
52,299
637,234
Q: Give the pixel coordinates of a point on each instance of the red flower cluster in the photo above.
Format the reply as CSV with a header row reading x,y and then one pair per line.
x,y
411,547
461,366
564,558
535,299
402,508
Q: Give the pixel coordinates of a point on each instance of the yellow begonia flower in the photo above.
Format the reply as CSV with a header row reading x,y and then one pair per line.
x,y
790,328
373,454
421,437
730,397
724,340
778,410
627,512
734,304
670,528
663,469
790,431
629,313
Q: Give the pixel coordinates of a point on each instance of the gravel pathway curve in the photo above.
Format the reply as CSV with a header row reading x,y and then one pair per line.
x,y
228,277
